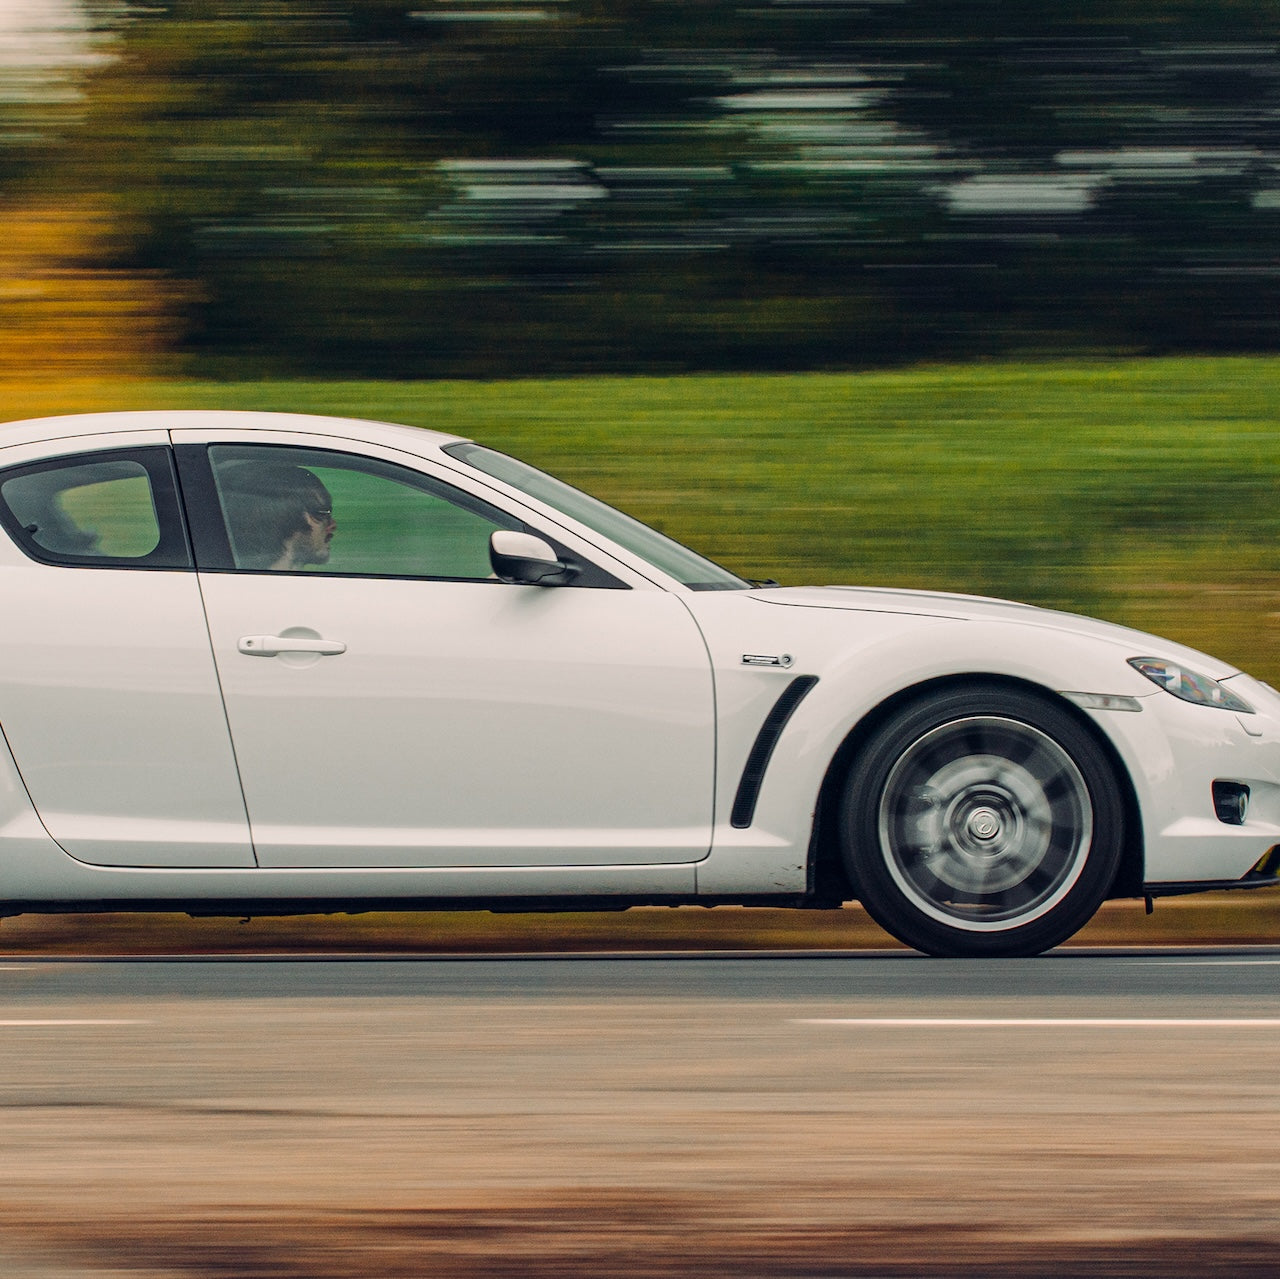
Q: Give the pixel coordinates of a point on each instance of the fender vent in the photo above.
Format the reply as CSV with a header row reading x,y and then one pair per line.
x,y
744,803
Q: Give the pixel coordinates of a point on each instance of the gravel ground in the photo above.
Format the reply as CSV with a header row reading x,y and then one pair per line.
x,y
344,1139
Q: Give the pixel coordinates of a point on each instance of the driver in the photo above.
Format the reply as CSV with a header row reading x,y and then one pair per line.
x,y
280,517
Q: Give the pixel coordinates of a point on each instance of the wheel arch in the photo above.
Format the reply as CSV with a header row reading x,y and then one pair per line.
x,y
829,878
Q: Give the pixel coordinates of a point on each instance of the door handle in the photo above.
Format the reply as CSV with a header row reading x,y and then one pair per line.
x,y
270,645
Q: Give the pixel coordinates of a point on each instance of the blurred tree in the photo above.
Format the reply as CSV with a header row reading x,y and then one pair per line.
x,y
355,185
61,311
492,186
64,307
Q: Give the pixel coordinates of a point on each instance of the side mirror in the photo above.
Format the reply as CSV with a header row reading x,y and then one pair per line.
x,y
524,558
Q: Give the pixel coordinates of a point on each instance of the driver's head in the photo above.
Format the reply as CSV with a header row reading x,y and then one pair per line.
x,y
280,516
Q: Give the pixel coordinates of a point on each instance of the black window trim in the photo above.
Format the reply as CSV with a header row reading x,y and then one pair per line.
x,y
212,546
172,553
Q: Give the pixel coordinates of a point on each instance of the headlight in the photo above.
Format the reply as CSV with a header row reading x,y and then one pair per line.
x,y
1174,678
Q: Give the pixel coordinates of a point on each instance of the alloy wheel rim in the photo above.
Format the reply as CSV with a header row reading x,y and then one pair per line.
x,y
985,822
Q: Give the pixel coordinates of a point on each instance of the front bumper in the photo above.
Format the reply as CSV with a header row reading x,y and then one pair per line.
x,y
1175,751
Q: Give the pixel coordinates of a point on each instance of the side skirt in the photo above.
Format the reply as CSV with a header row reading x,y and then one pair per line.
x,y
262,908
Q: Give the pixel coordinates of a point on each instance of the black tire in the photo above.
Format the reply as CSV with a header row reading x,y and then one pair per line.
x,y
982,821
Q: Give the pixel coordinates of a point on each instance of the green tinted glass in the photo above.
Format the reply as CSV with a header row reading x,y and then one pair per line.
x,y
373,518
92,509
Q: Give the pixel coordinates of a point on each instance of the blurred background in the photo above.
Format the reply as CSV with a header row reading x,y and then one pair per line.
x,y
384,188
1005,277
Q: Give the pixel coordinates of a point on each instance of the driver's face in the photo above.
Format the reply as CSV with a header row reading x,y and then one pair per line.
x,y
313,546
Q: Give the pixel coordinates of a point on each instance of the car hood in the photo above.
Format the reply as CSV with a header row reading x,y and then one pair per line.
x,y
980,608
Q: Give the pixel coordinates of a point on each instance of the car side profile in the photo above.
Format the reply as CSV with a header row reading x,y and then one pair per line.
x,y
258,663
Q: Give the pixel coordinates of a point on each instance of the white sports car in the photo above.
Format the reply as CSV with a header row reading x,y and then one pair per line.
x,y
257,663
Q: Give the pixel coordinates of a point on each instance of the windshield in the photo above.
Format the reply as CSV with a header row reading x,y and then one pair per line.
x,y
676,561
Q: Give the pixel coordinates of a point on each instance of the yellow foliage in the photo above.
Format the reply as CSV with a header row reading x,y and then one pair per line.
x,y
62,311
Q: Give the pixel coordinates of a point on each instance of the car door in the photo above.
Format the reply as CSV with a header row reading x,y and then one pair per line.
x,y
393,704
109,699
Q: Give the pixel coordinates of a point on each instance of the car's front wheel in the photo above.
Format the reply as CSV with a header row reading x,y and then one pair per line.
x,y
982,822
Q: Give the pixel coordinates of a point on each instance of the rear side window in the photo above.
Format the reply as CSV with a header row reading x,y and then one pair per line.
x,y
108,509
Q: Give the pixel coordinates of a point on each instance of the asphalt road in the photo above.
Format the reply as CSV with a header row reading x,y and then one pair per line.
x,y
859,1115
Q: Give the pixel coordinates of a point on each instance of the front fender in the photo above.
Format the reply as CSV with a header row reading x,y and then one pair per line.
x,y
886,657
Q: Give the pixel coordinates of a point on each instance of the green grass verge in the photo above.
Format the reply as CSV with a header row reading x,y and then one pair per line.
x,y
1142,491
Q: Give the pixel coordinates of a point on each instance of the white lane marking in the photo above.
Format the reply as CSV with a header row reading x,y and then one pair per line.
x,y
73,1021
1205,963
1265,1022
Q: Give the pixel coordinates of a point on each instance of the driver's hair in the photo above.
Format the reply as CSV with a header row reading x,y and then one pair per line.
x,y
266,503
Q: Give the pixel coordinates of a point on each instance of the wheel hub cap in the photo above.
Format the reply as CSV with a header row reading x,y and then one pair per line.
x,y
984,824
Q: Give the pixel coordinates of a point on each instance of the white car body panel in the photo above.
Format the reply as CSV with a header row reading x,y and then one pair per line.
x,y
979,608
485,741
124,748
25,846
109,698
452,699
40,875
490,725
864,656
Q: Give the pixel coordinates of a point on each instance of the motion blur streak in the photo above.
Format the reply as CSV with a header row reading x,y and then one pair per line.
x,y
339,1120
378,187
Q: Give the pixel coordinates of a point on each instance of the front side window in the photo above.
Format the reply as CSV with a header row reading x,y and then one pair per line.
x,y
109,509
301,510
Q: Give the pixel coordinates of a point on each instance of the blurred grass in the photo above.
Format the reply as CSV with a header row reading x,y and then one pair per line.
x,y
1143,491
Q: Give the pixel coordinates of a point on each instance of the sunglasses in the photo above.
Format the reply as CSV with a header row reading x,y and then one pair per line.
x,y
321,513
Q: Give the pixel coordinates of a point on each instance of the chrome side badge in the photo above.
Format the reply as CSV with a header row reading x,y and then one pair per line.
x,y
764,659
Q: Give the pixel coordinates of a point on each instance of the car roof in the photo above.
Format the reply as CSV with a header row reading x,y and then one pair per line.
x,y
35,430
